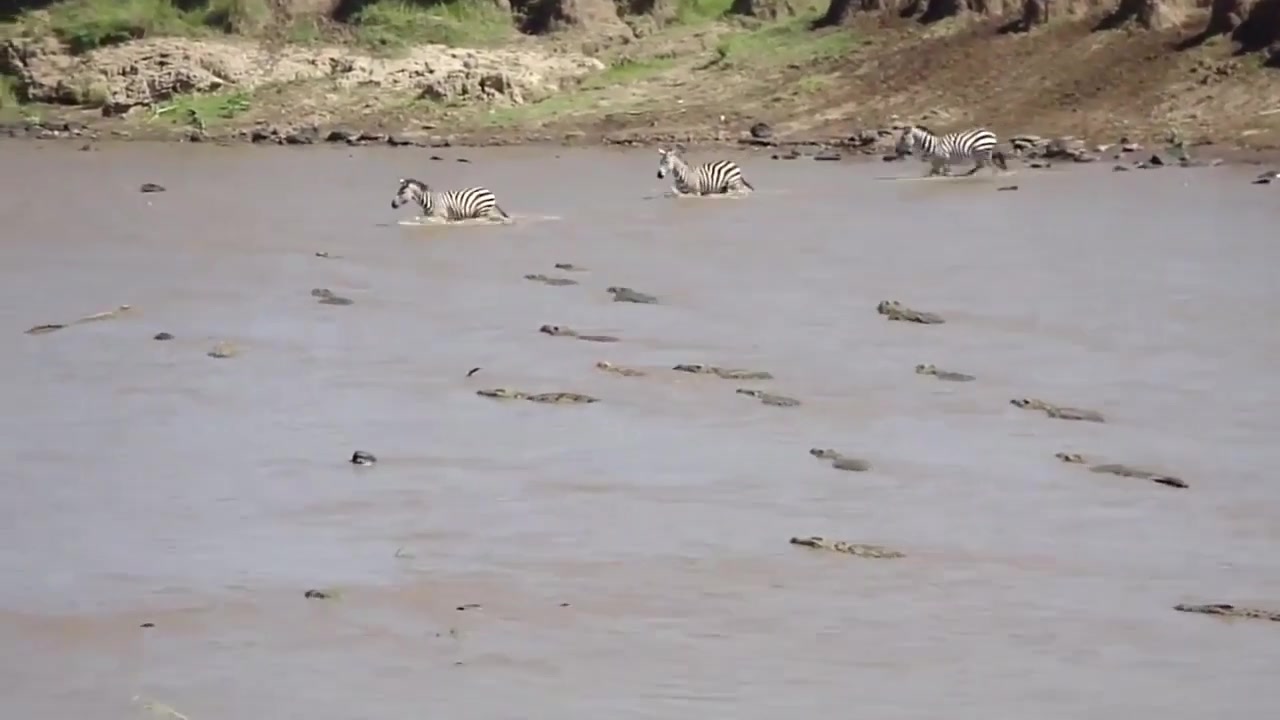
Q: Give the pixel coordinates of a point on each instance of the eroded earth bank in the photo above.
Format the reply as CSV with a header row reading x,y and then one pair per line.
x,y
500,71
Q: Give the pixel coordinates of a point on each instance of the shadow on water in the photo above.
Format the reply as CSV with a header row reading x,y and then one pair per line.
x,y
630,556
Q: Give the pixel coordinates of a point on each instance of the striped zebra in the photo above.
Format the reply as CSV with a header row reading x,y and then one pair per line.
x,y
468,203
941,151
714,178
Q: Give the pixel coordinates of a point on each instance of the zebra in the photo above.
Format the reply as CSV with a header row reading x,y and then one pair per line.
x,y
718,177
942,150
468,203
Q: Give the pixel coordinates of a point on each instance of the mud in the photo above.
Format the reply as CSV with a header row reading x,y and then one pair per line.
x,y
146,483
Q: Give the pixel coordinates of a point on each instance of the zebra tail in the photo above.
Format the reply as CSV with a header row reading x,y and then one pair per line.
x,y
501,212
749,185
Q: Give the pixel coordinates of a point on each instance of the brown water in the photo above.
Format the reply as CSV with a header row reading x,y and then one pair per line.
x,y
146,482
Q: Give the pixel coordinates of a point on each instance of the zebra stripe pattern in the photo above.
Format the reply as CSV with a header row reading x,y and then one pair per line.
x,y
941,151
465,204
714,178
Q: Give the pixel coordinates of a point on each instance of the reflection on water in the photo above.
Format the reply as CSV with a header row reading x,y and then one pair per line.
x,y
630,557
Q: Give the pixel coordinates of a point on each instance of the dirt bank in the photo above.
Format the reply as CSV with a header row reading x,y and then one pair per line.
x,y
662,70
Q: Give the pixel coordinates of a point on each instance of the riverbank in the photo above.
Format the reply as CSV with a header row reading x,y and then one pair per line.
x,y
692,72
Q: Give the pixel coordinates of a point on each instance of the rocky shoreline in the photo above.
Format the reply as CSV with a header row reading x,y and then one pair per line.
x,y
867,145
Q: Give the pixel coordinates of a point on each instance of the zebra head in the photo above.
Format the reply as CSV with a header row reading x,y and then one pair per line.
x,y
667,161
411,191
907,140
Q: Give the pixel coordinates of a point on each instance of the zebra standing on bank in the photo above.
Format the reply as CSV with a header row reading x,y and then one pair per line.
x,y
465,204
718,177
941,151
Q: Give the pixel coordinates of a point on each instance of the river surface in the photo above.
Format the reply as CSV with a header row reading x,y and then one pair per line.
x,y
630,558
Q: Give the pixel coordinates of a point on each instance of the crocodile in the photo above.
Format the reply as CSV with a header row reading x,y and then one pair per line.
x,y
626,294
570,267
558,398
1062,413
1124,471
50,327
565,331
329,297
725,373
928,369
769,398
561,398
607,366
553,281
223,350
894,310
360,457
840,461
878,552
1229,611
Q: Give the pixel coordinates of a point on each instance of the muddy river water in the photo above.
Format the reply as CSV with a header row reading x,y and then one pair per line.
x,y
629,558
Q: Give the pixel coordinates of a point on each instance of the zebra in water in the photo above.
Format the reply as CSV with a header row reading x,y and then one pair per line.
x,y
468,203
718,177
941,151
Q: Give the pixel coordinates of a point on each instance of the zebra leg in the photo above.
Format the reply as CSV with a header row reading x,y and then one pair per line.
x,y
938,166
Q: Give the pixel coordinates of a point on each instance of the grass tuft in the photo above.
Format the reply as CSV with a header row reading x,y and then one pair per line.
x,y
201,111
786,42
693,12
392,25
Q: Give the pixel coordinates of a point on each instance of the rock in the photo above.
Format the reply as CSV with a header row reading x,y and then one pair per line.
x,y
878,552
1120,168
761,131
1007,188
151,188
597,19
828,155
360,457
151,70
1063,147
223,350
1154,162
162,336
894,310
1229,611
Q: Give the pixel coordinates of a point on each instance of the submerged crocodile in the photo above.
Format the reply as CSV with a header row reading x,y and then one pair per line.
x,y
607,366
565,331
1229,611
1054,411
725,373
878,552
1124,471
769,398
329,297
553,281
570,267
928,369
626,294
840,461
556,398
50,327
894,310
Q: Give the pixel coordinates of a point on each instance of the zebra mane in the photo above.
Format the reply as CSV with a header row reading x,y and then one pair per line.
x,y
925,128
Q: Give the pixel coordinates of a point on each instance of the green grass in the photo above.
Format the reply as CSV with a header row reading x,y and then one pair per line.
x,y
9,100
625,71
201,111
786,42
692,12
392,25
87,24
